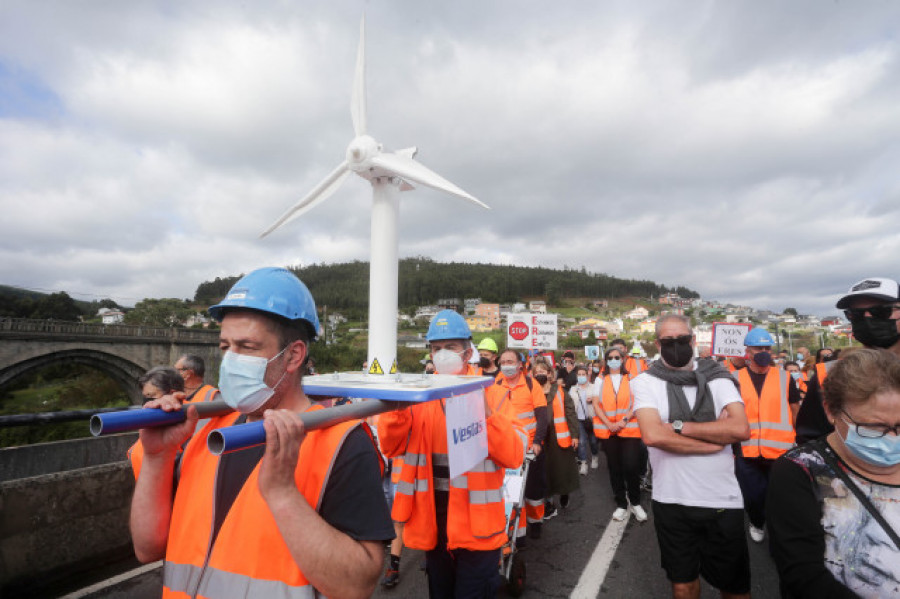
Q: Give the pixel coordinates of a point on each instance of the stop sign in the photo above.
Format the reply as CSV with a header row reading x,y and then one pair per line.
x,y
518,330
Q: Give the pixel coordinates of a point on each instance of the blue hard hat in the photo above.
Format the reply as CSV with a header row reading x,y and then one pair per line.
x,y
448,324
273,291
758,338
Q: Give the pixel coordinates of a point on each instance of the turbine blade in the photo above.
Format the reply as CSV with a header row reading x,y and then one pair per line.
x,y
407,168
358,103
320,193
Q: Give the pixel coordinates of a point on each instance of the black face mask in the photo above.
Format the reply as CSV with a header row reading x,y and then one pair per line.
x,y
677,355
541,379
762,359
485,362
876,332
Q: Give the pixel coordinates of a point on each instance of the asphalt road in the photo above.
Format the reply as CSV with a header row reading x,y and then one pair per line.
x,y
556,561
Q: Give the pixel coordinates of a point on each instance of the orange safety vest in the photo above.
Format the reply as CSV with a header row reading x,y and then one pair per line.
x,y
730,366
476,516
204,393
524,396
616,405
771,429
249,557
560,426
635,366
396,467
822,369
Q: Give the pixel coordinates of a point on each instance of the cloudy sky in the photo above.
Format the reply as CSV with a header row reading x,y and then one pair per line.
x,y
748,150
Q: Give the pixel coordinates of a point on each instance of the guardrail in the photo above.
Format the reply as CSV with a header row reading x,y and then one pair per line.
x,y
58,327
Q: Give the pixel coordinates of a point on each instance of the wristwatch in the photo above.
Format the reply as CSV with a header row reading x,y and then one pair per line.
x,y
677,426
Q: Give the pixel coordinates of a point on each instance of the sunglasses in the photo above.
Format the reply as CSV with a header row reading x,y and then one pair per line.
x,y
679,340
880,312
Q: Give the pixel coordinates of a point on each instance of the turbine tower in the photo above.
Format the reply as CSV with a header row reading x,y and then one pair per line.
x,y
389,173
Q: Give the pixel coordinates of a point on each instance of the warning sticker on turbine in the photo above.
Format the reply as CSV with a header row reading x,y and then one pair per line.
x,y
375,368
394,367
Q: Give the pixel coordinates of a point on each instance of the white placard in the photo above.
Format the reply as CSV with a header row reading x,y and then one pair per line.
x,y
467,443
592,352
531,331
728,338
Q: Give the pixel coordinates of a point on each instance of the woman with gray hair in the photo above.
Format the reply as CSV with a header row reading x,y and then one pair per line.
x,y
159,381
835,501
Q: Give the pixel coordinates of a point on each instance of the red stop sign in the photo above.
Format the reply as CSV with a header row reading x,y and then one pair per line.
x,y
518,330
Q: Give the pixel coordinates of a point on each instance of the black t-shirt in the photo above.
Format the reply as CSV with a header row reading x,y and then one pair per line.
x,y
812,422
353,501
794,519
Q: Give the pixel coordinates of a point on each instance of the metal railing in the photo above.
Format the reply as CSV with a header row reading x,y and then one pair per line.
x,y
59,327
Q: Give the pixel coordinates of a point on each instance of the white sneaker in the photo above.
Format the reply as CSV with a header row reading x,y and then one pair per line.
x,y
583,469
595,462
639,514
757,534
620,514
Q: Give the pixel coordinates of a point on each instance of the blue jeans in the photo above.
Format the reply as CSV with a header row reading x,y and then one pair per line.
x,y
586,436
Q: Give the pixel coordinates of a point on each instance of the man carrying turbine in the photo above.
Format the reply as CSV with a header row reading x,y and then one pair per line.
x,y
460,523
303,514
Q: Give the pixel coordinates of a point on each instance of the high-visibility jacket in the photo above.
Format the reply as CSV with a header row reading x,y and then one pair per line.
x,y
560,426
136,451
525,396
822,369
204,393
396,467
801,384
616,405
249,558
476,516
635,366
771,429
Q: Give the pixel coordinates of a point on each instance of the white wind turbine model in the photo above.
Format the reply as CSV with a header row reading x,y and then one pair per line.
x,y
389,174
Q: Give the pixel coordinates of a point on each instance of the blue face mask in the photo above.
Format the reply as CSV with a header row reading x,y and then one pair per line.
x,y
883,451
614,364
242,381
796,375
582,380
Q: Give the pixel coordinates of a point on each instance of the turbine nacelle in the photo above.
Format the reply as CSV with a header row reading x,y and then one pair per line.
x,y
360,153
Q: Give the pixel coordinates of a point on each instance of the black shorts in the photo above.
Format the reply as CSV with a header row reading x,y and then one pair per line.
x,y
701,541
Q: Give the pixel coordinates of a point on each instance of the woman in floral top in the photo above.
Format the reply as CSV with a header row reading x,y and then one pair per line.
x,y
824,540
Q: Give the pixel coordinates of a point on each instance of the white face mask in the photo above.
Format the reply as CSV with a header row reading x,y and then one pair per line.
x,y
447,361
509,370
242,381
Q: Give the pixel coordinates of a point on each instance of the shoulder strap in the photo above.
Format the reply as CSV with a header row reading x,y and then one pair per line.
x,y
528,381
831,460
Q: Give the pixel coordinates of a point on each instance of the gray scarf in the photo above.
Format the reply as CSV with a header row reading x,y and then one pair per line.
x,y
679,409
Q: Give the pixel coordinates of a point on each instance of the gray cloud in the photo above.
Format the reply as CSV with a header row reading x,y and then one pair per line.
x,y
747,151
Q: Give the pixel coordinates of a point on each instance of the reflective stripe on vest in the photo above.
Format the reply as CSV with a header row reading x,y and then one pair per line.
x,y
183,578
769,415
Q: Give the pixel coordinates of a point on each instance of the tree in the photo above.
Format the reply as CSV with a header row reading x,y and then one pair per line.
x,y
791,311
168,312
58,306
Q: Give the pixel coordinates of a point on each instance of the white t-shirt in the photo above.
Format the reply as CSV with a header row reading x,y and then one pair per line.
x,y
698,480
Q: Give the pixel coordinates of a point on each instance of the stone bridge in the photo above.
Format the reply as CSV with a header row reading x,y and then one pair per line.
x,y
123,352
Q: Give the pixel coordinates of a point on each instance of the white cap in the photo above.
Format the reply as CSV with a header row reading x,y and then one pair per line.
x,y
877,288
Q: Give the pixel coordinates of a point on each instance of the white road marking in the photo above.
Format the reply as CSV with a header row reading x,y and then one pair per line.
x,y
103,584
594,573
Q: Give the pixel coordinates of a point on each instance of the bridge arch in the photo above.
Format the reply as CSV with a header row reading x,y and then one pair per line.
x,y
123,371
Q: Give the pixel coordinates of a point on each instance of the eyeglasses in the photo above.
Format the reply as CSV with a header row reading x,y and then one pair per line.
x,y
872,430
879,312
679,340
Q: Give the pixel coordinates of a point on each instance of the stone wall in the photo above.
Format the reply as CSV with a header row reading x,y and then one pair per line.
x,y
54,525
60,456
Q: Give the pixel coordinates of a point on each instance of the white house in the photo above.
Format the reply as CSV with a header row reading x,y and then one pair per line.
x,y
638,313
111,316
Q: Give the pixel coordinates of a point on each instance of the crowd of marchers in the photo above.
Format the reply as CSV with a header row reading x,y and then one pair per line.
x,y
801,450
